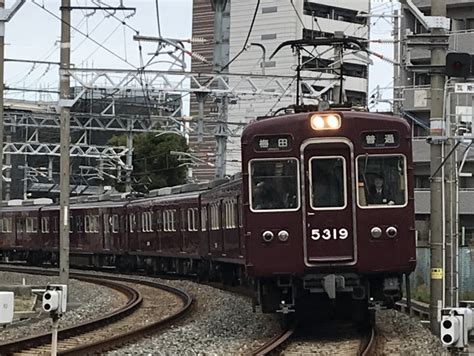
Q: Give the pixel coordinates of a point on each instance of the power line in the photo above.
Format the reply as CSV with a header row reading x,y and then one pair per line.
x,y
86,35
244,47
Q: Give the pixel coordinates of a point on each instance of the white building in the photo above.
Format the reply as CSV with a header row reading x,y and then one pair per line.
x,y
283,20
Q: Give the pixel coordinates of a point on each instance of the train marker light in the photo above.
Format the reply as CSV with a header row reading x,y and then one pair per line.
x,y
376,232
283,235
267,236
325,122
391,231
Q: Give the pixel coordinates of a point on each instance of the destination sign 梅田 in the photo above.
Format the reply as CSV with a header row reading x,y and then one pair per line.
x,y
273,143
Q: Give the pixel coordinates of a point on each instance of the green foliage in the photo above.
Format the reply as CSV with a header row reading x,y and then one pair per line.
x,y
421,293
153,165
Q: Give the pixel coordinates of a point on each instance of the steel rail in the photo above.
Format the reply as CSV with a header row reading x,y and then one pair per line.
x,y
275,342
96,346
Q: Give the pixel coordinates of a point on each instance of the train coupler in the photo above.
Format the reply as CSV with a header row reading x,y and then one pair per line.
x,y
285,308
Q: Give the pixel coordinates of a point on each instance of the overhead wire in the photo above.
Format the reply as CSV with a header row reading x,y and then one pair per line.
x,y
85,35
244,47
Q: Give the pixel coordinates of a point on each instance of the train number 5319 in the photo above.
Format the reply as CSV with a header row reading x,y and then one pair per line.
x,y
329,234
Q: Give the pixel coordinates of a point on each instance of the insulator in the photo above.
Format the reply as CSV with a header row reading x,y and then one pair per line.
x,y
198,56
198,40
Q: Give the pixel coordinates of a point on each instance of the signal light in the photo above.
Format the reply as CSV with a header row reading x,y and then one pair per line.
x,y
458,64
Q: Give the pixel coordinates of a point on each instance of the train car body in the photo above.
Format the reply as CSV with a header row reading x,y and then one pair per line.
x,y
315,224
323,215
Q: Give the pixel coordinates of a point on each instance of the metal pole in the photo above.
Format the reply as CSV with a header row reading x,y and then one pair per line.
x,y
396,69
54,335
437,122
65,106
218,62
128,177
8,172
2,58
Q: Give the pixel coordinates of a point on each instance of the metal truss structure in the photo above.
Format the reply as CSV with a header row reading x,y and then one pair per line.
x,y
76,150
217,84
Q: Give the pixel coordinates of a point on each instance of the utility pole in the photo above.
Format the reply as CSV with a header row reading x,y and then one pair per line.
x,y
65,113
437,129
338,90
218,63
5,16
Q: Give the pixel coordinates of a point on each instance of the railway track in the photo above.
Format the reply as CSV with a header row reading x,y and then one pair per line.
x,y
138,317
331,338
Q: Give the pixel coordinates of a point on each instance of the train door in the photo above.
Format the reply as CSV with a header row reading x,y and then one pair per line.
x,y
328,206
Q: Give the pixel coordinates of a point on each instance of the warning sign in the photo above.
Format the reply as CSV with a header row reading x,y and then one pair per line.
x,y
436,273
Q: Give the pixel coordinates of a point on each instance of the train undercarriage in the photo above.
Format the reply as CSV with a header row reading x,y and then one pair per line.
x,y
328,295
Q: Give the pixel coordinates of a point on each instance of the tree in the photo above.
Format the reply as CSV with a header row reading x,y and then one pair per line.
x,y
153,165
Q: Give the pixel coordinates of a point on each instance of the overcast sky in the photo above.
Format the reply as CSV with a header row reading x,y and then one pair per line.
x,y
34,32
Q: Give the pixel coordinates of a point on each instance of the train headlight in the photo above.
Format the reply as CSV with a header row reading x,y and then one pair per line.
x,y
317,122
267,236
391,231
333,121
283,235
376,232
325,122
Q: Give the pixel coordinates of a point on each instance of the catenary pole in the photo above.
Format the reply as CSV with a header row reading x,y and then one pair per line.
x,y
64,106
437,128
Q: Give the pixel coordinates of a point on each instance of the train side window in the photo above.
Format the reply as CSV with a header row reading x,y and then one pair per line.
x,y
19,225
159,221
382,181
80,223
8,224
32,224
132,222
44,224
95,223
115,223
55,224
192,219
274,185
215,217
328,182
204,218
87,224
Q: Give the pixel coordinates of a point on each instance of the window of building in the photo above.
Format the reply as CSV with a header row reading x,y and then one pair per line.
x,y
6,224
269,36
269,9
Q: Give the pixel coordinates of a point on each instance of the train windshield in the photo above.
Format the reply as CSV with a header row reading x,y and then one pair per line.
x,y
328,187
274,184
382,181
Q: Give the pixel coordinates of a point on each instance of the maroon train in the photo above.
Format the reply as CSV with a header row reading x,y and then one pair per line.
x,y
323,214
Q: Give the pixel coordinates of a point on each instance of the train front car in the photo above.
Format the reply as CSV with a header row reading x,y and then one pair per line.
x,y
329,210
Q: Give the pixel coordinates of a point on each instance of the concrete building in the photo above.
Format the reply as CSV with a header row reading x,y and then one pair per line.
x,y
412,100
278,21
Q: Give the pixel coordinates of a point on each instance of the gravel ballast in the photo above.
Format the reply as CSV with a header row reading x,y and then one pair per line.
x,y
223,323
86,301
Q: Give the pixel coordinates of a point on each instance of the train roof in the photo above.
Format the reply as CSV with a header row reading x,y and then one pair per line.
x,y
167,194
293,122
